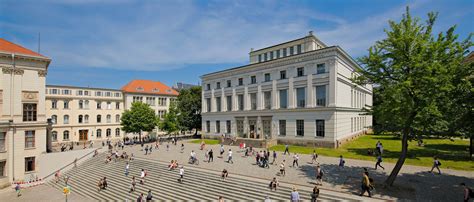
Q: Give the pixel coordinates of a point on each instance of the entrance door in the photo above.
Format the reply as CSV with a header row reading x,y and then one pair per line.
x,y
267,128
83,135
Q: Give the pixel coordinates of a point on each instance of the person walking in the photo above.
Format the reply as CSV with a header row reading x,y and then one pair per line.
x,y
181,174
365,184
315,194
142,176
146,150
314,157
57,176
282,168
18,189
341,162
224,174
377,147
182,147
221,150
127,167
229,157
149,196
274,184
140,197
319,175
295,196
132,186
295,160
274,156
287,149
467,192
436,164
211,156
379,161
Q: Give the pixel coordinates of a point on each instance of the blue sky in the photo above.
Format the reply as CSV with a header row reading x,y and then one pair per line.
x,y
107,43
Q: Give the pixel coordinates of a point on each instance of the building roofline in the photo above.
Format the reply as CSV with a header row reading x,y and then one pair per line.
x,y
80,87
310,36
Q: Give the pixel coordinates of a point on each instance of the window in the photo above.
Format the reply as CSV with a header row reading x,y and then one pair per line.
x,y
150,101
109,105
218,104
282,127
29,112
99,118
320,68
2,168
218,126
54,91
66,135
208,86
298,49
86,104
208,126
81,104
241,81
253,79
208,103
66,119
108,132
109,118
99,133
86,92
301,97
267,96
229,83
117,132
29,164
253,101
299,127
86,119
117,118
117,105
319,128
137,99
321,95
118,94
3,136
300,71
29,139
66,92
271,55
54,119
228,127
229,103
283,99
291,50
240,100
267,77
98,93
260,58
66,104
80,120
54,104
284,52
265,57
283,74
79,92
218,85
277,54
99,105
108,94
54,136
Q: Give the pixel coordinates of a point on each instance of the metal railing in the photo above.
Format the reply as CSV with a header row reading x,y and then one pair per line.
x,y
64,167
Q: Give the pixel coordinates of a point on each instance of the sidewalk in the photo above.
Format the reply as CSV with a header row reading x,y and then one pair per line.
x,y
412,183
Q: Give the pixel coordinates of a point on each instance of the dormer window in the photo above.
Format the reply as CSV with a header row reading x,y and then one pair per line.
x,y
139,88
155,90
169,91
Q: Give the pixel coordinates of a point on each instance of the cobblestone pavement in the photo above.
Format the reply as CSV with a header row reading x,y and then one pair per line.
x,y
413,182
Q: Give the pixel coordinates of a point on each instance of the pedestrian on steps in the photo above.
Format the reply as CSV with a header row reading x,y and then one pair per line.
x,y
211,156
295,160
229,159
181,174
132,187
379,161
149,196
127,167
315,194
295,196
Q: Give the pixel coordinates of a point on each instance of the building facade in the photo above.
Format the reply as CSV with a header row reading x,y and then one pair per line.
x,y
84,114
297,92
23,118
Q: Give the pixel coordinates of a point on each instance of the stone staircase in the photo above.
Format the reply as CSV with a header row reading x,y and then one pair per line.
x,y
198,185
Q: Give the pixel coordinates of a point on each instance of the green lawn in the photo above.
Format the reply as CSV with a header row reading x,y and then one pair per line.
x,y
452,154
207,141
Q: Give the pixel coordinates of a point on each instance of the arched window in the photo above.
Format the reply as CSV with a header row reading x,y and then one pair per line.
x,y
117,118
54,136
86,104
99,133
108,132
81,104
117,132
66,135
79,119
66,104
109,118
86,119
66,119
99,118
54,119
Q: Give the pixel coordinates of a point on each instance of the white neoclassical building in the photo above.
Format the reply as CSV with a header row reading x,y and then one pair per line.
x,y
297,92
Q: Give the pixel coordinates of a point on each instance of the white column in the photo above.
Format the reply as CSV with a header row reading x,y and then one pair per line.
x,y
332,67
291,94
213,101
246,99
259,98
274,94
309,91
234,100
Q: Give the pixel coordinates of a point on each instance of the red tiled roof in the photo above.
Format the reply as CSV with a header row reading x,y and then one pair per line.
x,y
148,87
7,46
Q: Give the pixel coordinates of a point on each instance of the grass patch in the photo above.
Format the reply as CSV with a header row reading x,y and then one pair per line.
x,y
453,154
207,141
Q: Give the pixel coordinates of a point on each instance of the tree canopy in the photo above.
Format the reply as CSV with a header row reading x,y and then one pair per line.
x,y
170,121
189,107
139,118
416,76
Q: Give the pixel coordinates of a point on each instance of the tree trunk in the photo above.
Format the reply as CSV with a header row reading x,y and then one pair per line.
x,y
393,175
471,147
140,136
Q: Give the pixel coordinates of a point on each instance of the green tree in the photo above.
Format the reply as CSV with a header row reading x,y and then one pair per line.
x,y
139,118
414,73
189,107
170,121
